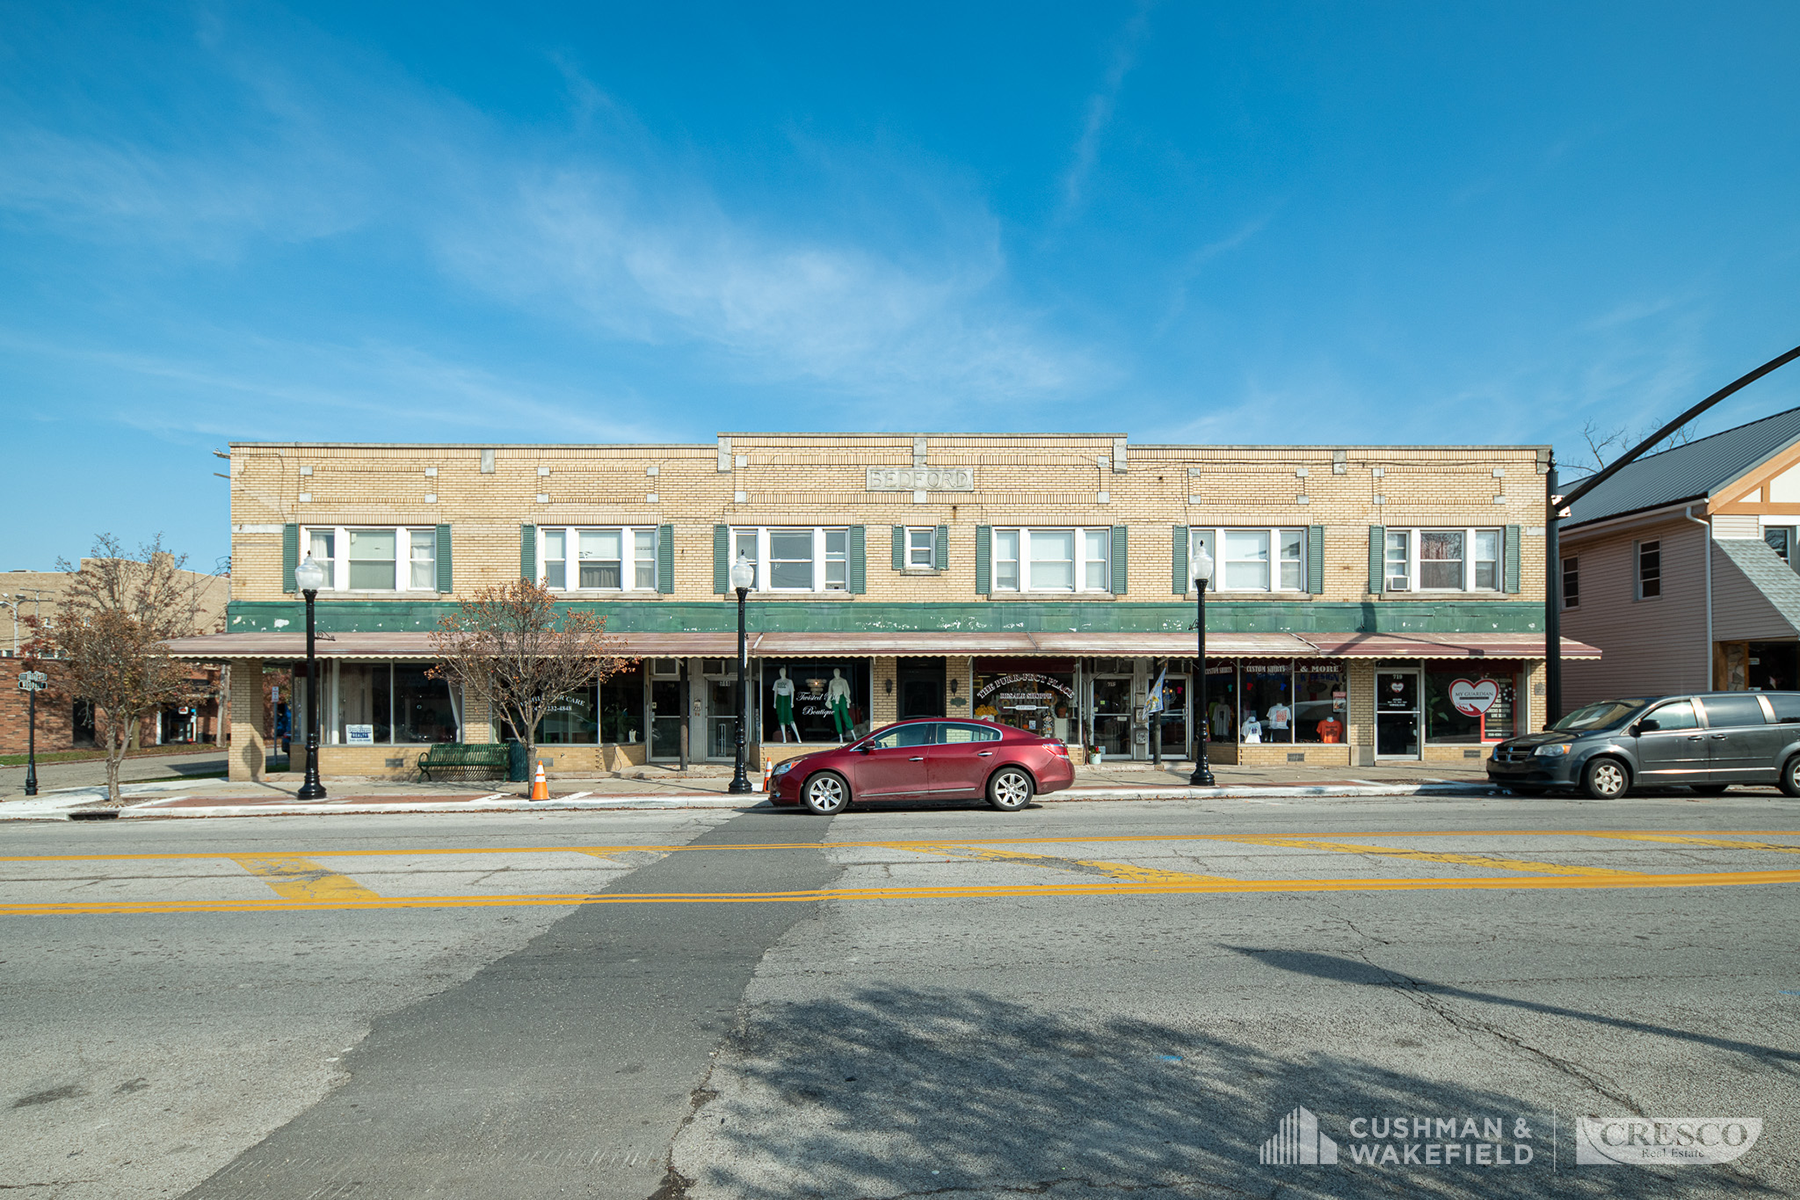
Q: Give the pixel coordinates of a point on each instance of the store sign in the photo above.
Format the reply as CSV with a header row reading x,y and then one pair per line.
x,y
359,735
1473,697
921,479
1027,687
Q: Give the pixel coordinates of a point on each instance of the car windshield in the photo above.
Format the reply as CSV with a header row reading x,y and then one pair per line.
x,y
1605,715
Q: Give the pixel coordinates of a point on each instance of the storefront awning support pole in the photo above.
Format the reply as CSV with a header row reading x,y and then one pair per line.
x,y
1557,506
1552,598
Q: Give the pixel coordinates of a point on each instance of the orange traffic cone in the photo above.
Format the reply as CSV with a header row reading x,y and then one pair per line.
x,y
540,787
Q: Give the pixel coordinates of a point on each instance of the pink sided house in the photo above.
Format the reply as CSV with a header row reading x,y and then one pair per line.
x,y
1681,569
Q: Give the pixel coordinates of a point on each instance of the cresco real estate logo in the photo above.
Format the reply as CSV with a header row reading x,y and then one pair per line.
x,y
1663,1141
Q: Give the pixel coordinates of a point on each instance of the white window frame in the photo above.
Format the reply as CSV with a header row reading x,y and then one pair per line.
x,y
337,567
1082,584
1411,567
745,538
1213,538
629,559
912,559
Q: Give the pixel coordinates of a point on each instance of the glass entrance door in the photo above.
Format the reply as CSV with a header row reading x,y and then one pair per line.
x,y
1175,717
1112,715
1396,714
665,718
721,717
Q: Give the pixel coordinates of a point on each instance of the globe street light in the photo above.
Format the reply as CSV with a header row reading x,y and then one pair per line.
x,y
1202,572
743,575
309,577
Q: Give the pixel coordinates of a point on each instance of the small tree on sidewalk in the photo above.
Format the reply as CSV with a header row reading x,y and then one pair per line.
x,y
516,650
116,613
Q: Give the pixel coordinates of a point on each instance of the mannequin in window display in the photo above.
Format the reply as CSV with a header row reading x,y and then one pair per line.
x,y
837,699
1252,728
783,687
1279,717
1331,730
1221,721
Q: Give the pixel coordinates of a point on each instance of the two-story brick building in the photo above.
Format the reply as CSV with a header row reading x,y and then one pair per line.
x,y
1040,580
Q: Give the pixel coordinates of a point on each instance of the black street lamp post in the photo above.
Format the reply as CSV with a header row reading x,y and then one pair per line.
x,y
743,575
31,742
309,577
1203,569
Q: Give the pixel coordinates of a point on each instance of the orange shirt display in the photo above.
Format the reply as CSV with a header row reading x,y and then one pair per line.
x,y
1330,730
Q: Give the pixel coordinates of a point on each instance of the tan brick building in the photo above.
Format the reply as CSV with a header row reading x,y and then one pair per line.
x,y
1041,580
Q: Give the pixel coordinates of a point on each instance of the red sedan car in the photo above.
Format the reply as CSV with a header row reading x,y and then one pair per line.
x,y
929,759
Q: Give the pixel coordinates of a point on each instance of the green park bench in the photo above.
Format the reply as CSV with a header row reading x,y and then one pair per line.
x,y
458,756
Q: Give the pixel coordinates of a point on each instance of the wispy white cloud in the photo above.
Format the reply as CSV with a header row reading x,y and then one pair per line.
x,y
1189,269
1100,106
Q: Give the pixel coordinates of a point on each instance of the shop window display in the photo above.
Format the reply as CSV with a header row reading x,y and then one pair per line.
x,y
1321,704
1032,695
571,721
1221,722
814,700
365,694
1266,713
1493,684
622,707
425,709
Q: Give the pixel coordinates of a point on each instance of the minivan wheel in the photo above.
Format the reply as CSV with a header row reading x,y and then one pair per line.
x,y
1605,779
1790,776
825,794
1010,789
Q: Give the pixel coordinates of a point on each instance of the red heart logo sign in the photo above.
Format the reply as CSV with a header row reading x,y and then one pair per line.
x,y
1472,697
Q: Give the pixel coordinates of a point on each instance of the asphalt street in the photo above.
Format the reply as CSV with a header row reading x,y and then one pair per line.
x,y
1076,1000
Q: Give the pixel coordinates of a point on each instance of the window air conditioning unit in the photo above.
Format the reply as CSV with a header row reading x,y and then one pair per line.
x,y
1398,583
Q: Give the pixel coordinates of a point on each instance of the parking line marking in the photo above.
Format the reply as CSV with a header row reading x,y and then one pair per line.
x,y
1674,840
294,878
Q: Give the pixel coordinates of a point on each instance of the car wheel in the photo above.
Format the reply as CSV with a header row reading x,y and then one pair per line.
x,y
1605,779
1707,789
1790,776
825,793
1010,789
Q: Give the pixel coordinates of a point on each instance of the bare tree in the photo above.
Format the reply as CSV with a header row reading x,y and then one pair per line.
x,y
116,613
1604,445
513,649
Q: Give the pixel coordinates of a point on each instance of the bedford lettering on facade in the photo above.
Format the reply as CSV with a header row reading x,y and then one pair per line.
x,y
925,479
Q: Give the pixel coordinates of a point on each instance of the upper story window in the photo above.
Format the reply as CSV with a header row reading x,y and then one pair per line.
x,y
921,547
1781,540
1649,570
1253,560
1571,583
796,559
1442,560
374,559
604,559
1053,560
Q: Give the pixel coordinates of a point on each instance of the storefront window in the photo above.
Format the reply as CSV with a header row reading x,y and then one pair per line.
x,y
425,711
622,706
571,721
1267,711
1029,694
814,700
1221,722
1455,697
1321,704
365,704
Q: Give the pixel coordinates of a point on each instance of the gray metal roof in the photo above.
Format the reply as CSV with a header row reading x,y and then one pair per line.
x,y
1691,472
1766,571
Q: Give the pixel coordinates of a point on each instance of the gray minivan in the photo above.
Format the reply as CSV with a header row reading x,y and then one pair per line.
x,y
1706,742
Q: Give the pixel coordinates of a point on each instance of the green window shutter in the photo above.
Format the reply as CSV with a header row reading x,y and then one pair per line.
x,y
1512,558
665,560
943,548
1377,561
721,559
984,559
445,575
859,560
528,552
899,547
1315,559
1120,576
1179,583
290,556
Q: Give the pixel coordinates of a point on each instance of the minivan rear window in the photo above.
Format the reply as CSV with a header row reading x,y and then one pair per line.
x,y
1743,709
1786,706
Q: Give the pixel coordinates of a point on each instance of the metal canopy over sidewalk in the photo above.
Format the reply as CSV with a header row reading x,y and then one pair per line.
x,y
416,646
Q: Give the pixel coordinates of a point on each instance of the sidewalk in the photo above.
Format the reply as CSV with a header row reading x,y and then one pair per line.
x,y
701,787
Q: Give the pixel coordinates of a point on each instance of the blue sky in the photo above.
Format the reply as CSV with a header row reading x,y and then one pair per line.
x,y
1316,222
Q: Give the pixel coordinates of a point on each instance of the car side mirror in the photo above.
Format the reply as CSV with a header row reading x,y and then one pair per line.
x,y
862,749
1645,726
